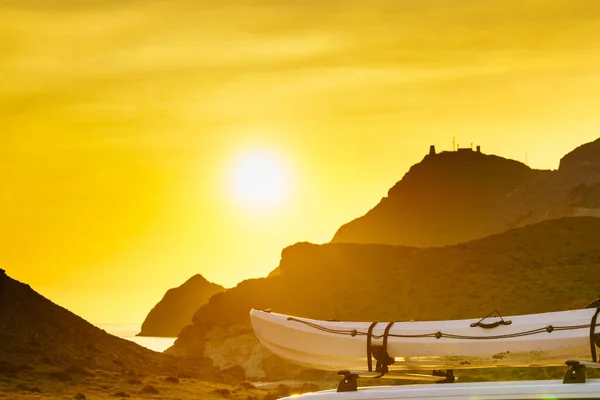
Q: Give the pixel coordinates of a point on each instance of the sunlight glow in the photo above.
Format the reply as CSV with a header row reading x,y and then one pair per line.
x,y
259,180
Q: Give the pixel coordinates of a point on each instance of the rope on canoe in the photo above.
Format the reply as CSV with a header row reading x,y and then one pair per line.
x,y
440,334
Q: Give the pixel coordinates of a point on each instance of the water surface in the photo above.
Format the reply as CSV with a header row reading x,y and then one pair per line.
x,y
128,331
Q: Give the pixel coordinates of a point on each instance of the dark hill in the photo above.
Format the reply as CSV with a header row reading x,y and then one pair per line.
x,y
454,197
550,266
177,307
36,333
584,161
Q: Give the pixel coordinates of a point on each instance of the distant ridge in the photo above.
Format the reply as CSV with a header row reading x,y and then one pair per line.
x,y
452,197
584,160
177,307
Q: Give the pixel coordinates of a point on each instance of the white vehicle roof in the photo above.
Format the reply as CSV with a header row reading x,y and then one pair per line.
x,y
517,390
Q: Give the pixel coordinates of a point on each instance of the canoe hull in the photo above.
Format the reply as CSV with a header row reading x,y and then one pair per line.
x,y
321,345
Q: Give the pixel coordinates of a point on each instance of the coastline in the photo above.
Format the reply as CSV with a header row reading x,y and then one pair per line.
x,y
129,331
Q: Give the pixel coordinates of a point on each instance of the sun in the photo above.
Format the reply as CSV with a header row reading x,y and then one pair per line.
x,y
259,179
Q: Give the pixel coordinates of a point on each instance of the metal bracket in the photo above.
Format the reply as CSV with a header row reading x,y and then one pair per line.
x,y
575,373
449,375
348,383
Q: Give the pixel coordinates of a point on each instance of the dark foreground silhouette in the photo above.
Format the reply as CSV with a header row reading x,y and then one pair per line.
x,y
45,350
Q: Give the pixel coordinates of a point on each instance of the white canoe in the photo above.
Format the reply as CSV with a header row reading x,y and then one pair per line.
x,y
529,340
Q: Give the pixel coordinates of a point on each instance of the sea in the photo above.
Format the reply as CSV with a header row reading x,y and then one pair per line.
x,y
128,331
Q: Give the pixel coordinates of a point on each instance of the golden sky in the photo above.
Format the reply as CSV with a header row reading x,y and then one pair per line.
x,y
122,122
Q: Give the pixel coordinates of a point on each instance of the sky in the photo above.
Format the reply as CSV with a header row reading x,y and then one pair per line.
x,y
126,126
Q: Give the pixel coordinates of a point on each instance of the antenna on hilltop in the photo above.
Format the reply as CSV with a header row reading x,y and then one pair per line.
x,y
453,143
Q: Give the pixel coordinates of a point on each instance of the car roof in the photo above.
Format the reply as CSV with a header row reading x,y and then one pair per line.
x,y
513,390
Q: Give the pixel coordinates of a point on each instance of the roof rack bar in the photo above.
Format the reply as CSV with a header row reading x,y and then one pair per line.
x,y
396,375
585,363
348,383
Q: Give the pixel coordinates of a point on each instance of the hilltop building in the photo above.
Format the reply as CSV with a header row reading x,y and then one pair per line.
x,y
432,151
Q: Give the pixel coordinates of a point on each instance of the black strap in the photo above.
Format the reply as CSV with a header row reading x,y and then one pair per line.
x,y
594,304
369,350
592,331
384,358
385,335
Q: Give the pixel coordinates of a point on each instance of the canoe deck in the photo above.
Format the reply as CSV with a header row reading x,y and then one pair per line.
x,y
547,339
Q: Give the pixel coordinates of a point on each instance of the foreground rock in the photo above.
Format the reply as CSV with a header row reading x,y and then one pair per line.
x,y
178,306
38,336
549,266
453,197
102,385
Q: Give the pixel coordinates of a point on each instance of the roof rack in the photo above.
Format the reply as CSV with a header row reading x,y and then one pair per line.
x,y
349,381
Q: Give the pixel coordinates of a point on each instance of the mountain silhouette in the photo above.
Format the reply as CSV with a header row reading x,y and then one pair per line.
x,y
36,334
584,161
461,234
452,197
177,307
538,268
